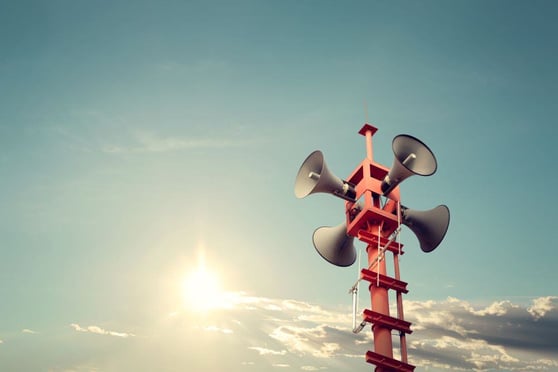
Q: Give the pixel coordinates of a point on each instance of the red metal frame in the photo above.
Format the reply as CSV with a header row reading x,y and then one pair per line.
x,y
373,224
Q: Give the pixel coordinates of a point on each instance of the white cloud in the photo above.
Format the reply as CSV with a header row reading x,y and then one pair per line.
x,y
435,316
498,308
548,362
26,330
100,331
213,328
541,306
119,334
499,336
449,334
273,307
265,351
152,143
77,327
474,351
307,340
149,142
274,333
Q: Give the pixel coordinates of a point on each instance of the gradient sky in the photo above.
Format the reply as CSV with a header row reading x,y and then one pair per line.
x,y
141,140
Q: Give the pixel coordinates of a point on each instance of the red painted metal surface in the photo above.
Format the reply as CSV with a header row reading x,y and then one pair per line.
x,y
373,221
387,364
367,128
386,321
384,281
372,239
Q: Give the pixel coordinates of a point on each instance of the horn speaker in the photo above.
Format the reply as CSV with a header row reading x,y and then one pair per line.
x,y
314,176
412,156
334,245
430,226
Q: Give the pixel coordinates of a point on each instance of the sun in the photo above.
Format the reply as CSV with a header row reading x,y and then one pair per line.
x,y
202,290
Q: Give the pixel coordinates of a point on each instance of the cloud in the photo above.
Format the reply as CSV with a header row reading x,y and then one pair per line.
x,y
26,330
100,331
149,142
501,336
448,334
213,328
77,327
265,334
498,308
274,333
265,351
308,340
541,306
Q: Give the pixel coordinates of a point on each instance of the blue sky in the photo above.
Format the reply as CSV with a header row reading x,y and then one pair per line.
x,y
142,140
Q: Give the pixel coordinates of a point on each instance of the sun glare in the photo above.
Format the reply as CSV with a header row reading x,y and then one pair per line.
x,y
202,290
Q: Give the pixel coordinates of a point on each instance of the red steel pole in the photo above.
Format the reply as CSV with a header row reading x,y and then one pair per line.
x,y
380,304
374,224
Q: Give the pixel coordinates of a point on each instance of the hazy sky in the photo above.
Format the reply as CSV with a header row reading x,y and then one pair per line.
x,y
148,151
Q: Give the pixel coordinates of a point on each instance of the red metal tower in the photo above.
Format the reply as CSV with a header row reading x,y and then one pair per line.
x,y
373,224
374,215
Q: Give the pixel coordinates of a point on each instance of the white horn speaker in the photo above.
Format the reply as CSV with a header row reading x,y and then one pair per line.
x,y
334,245
430,226
314,176
412,156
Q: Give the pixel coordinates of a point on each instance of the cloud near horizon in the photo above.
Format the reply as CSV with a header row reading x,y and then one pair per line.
x,y
251,333
448,335
502,336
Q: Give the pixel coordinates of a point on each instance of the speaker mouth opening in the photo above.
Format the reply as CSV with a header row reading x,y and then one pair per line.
x,y
423,163
309,174
334,245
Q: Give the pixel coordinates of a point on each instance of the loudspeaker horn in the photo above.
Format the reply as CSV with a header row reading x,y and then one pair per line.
x,y
334,245
430,226
412,156
314,176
